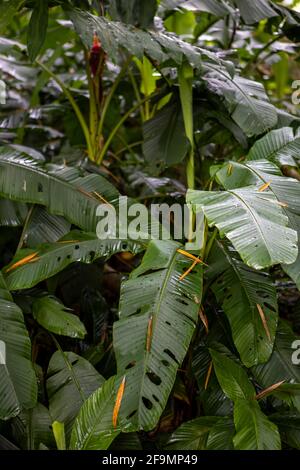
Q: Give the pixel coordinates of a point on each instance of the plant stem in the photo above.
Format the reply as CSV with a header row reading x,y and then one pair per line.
x,y
186,97
118,125
137,93
110,96
26,223
75,107
210,243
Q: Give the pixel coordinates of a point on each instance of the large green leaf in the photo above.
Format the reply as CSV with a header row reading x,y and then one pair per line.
x,y
53,258
240,289
18,386
55,317
93,428
61,189
133,11
162,311
286,191
253,222
210,6
246,100
281,146
71,379
254,431
253,11
158,46
37,28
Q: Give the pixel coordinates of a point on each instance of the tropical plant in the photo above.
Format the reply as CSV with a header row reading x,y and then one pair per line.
x,y
124,343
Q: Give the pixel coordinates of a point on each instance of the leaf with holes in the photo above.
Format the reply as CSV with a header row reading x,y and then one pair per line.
x,y
162,311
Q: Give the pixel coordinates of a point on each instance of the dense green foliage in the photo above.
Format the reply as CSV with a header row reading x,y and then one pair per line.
x,y
129,344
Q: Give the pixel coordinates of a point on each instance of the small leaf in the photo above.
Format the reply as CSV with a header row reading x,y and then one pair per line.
x,y
232,377
55,317
59,434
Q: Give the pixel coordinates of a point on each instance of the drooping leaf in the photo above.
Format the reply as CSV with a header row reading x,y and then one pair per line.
x,y
162,310
240,289
246,100
71,379
18,386
253,222
93,429
133,12
232,377
156,45
53,258
253,11
33,428
165,141
43,227
254,431
37,28
55,317
61,189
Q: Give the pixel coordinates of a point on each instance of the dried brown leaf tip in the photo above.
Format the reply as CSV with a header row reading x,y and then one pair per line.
x,y
208,375
118,403
28,259
264,186
189,255
269,390
264,321
149,334
204,319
